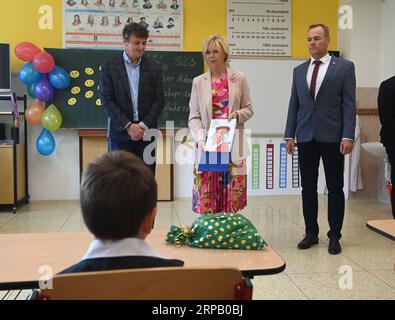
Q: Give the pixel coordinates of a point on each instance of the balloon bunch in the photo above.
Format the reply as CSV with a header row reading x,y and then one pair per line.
x,y
41,76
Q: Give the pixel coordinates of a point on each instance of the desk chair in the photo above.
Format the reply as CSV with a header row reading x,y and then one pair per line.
x,y
175,283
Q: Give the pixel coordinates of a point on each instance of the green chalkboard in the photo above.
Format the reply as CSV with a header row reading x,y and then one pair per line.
x,y
80,104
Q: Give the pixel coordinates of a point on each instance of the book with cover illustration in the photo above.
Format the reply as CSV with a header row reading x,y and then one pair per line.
x,y
220,135
218,146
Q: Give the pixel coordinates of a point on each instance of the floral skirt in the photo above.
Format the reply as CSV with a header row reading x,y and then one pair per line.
x,y
220,192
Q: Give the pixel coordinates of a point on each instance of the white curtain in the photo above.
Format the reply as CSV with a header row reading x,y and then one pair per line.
x,y
356,176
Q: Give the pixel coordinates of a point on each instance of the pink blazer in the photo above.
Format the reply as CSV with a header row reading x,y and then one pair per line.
x,y
200,109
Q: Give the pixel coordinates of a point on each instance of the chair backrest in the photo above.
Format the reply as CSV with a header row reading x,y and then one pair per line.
x,y
177,283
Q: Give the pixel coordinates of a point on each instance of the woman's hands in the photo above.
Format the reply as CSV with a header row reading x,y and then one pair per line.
x,y
234,115
201,146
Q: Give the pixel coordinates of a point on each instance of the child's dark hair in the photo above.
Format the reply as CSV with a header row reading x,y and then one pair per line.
x,y
118,191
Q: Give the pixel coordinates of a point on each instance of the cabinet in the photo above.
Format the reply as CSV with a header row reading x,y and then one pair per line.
x,y
13,158
93,143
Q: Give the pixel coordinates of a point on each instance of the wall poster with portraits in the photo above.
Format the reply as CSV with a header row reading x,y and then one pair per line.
x,y
98,24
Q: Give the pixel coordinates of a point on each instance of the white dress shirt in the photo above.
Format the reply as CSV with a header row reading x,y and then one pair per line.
x,y
321,72
133,71
120,248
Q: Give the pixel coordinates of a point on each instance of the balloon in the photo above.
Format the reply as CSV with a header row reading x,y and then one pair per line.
x,y
34,112
26,51
28,74
43,62
43,90
45,144
30,89
51,119
59,78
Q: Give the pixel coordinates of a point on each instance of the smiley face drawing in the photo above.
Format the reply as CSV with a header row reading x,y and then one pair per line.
x,y
74,74
89,83
89,71
72,101
89,94
98,102
75,90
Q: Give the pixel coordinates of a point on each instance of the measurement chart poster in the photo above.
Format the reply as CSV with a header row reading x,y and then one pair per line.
x,y
259,28
98,24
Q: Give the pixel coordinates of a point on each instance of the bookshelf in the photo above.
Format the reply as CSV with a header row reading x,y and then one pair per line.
x,y
13,161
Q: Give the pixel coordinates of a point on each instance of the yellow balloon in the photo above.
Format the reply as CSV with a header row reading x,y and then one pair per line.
x,y
51,119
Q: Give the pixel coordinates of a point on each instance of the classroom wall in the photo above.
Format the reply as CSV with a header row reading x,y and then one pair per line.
x,y
358,43
20,22
370,46
387,69
202,18
57,177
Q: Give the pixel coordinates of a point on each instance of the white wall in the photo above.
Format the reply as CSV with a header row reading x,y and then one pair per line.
x,y
363,44
371,44
55,177
387,69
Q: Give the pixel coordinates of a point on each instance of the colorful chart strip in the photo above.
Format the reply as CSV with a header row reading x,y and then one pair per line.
x,y
270,166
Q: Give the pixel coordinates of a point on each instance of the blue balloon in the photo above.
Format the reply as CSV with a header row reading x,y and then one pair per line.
x,y
59,78
45,144
28,74
43,90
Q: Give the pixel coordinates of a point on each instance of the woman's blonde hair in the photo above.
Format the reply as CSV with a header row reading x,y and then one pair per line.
x,y
219,41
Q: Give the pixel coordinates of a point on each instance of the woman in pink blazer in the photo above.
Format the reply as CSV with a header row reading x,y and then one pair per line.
x,y
220,93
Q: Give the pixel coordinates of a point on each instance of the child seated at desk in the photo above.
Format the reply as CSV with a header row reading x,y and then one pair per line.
x,y
118,204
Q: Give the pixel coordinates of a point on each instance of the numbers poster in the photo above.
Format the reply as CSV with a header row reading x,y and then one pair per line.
x,y
259,28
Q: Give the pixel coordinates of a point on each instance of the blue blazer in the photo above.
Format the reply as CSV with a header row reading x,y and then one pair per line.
x,y
117,101
331,117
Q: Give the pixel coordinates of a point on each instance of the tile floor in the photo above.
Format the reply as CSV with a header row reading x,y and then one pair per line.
x,y
365,269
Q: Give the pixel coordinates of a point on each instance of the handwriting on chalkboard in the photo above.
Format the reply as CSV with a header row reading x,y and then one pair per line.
x,y
178,71
184,61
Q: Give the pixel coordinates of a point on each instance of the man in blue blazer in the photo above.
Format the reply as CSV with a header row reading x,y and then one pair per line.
x,y
321,114
132,95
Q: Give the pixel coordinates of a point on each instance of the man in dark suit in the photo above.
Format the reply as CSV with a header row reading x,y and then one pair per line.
x,y
322,113
118,204
386,103
132,94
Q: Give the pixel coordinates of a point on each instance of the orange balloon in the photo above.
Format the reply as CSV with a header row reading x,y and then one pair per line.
x,y
34,112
